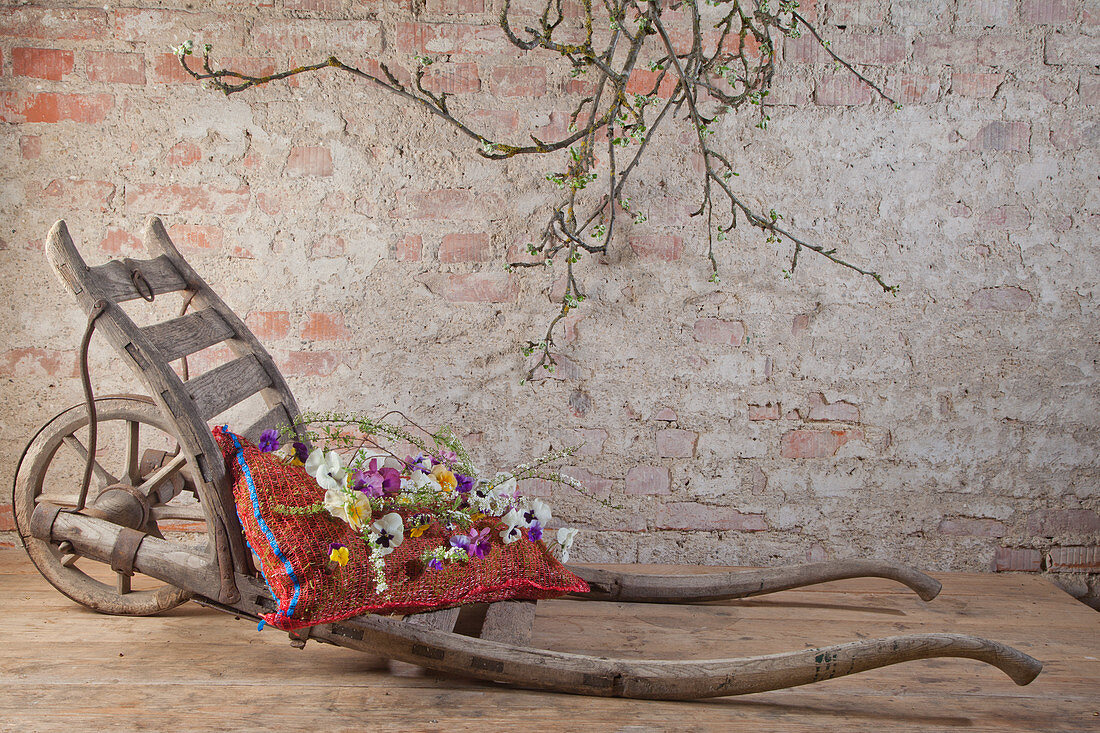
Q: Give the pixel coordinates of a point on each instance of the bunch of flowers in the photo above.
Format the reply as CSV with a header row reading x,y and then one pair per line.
x,y
386,498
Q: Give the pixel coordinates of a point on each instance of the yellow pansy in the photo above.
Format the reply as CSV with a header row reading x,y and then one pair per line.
x,y
445,478
339,555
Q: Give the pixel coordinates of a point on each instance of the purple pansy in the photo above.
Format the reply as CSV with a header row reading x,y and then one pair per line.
x,y
301,451
465,483
421,463
435,564
269,440
534,532
463,542
391,480
479,543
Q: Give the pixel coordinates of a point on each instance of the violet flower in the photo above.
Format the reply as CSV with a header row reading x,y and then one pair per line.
x,y
391,480
421,463
269,440
534,532
479,543
461,541
465,483
301,451
435,564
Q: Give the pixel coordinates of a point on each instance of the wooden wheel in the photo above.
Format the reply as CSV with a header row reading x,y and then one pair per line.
x,y
137,456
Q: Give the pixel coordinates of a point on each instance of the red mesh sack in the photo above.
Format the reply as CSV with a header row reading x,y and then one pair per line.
x,y
293,551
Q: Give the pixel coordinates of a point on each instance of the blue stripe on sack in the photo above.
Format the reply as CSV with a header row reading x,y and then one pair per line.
x,y
263,525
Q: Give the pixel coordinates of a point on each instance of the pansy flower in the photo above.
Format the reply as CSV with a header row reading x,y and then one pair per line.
x,y
435,564
534,532
288,454
419,524
269,441
479,542
326,468
539,511
421,463
462,542
513,527
301,451
444,478
465,483
565,541
387,533
352,508
338,554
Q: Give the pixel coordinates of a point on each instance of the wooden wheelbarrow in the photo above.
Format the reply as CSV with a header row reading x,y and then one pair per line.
x,y
71,536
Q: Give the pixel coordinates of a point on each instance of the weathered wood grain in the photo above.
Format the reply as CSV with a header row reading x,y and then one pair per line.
x,y
114,280
274,419
509,621
217,390
187,334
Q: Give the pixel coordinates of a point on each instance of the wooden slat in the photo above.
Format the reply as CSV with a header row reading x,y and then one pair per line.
x,y
187,334
113,278
442,620
274,418
509,622
219,389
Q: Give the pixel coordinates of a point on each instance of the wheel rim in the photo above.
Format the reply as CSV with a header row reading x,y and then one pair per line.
x,y
127,426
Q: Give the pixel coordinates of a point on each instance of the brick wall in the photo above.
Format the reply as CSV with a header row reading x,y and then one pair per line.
x,y
762,421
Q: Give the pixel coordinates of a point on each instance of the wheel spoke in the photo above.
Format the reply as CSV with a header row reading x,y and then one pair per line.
x,y
104,478
69,560
133,431
123,584
162,474
191,513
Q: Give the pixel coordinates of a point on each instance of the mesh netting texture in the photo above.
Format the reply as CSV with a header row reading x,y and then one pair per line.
x,y
293,552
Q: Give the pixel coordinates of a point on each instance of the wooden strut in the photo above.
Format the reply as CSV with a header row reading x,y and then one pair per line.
x,y
523,666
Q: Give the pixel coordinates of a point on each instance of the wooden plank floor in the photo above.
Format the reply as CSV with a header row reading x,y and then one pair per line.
x,y
65,668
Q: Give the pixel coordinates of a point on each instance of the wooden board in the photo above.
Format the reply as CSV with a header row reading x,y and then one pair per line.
x,y
65,668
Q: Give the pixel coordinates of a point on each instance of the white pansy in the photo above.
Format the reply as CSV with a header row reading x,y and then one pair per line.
x,y
504,484
326,469
387,533
539,511
513,529
565,538
352,507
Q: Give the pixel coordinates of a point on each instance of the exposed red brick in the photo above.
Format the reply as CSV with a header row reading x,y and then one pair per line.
x,y
472,287
177,198
767,411
7,518
453,78
315,6
945,49
30,147
340,37
63,193
690,515
310,363
120,242
914,88
666,414
409,247
815,443
471,247
1075,135
987,12
309,161
27,362
981,85
869,50
1003,298
116,68
648,480
42,63
52,107
1072,49
450,38
328,245
717,331
841,90
495,121
324,327
1074,559
676,443
642,82
1089,90
971,527
53,24
519,81
1054,522
447,203
1010,50
184,153
856,12
592,441
599,485
1012,218
269,324
195,237
562,369
167,70
455,7
1047,12
162,29
1003,136
1011,559
657,247
821,410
